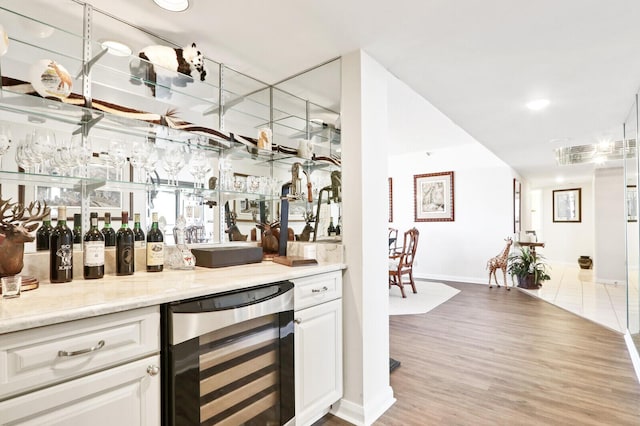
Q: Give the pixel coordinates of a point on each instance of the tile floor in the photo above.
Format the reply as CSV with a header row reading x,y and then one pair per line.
x,y
574,289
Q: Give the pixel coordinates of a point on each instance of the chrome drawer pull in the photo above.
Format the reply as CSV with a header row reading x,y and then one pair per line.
x,y
319,290
82,351
153,370
297,320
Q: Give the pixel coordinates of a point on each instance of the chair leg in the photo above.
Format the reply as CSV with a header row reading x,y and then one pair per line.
x,y
413,283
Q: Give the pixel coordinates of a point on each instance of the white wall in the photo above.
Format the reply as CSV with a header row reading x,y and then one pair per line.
x,y
367,392
565,242
483,190
610,220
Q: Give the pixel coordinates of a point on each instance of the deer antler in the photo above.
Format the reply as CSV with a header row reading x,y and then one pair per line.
x,y
14,215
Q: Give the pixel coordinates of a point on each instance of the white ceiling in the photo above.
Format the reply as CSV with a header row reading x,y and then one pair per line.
x,y
479,62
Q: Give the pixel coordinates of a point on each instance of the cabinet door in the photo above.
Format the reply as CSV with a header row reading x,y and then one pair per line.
x,y
124,395
318,346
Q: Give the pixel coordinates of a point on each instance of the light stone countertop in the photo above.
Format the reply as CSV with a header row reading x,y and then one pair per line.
x,y
55,303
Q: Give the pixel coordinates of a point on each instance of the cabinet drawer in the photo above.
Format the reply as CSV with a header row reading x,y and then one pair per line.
x,y
317,289
39,357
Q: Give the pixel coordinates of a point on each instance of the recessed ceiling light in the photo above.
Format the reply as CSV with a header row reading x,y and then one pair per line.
x,y
116,48
559,179
538,104
173,5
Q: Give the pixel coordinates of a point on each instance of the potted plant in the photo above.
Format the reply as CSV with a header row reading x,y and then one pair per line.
x,y
530,268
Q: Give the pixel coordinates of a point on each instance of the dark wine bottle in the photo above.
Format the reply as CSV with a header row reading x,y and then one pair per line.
x,y
43,233
125,252
138,233
108,232
331,231
155,246
77,228
61,250
93,251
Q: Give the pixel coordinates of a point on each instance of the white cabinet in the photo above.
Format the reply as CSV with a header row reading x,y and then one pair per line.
x,y
100,370
124,395
318,345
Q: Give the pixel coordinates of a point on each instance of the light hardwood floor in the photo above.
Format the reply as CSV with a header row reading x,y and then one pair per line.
x,y
492,357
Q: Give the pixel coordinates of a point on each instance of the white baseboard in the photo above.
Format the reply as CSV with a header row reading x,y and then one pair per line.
x,y
358,415
633,353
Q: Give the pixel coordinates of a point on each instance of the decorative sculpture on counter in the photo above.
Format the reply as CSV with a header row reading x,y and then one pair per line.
x,y
181,257
16,223
183,61
334,193
232,229
500,262
305,235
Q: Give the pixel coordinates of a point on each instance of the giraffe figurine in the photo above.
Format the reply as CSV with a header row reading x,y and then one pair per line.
x,y
500,262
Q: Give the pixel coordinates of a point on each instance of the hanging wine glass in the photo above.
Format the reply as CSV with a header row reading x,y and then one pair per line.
x,y
173,162
5,140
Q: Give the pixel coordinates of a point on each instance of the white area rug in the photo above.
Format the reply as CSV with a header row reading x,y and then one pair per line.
x,y
429,296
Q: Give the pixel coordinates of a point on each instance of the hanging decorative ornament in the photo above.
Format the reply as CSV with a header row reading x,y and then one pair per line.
x,y
49,78
4,41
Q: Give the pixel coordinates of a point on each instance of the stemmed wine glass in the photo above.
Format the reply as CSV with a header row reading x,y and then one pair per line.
x,y
118,156
139,153
173,162
5,141
199,166
150,161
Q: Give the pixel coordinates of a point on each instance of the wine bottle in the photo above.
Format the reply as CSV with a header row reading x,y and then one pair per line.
x,y
61,250
155,246
108,232
77,228
125,253
43,233
93,251
339,226
331,231
138,233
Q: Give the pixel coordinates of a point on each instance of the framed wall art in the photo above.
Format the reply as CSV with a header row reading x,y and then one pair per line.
x,y
567,205
433,197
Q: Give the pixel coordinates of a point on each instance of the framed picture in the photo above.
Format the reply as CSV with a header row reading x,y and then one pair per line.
x,y
433,197
567,205
390,200
632,203
99,200
517,206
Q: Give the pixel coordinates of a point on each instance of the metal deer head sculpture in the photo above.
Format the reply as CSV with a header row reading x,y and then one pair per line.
x,y
16,224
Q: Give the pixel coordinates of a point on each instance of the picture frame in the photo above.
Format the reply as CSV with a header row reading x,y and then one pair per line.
x,y
517,206
567,205
632,203
390,200
434,197
101,201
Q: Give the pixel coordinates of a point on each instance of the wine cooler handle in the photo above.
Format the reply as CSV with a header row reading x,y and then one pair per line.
x,y
82,351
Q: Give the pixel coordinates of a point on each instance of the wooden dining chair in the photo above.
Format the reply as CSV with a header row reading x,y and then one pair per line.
x,y
393,241
401,264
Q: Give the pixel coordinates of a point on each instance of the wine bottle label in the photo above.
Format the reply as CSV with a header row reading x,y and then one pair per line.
x,y
139,244
93,253
127,254
65,253
155,253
